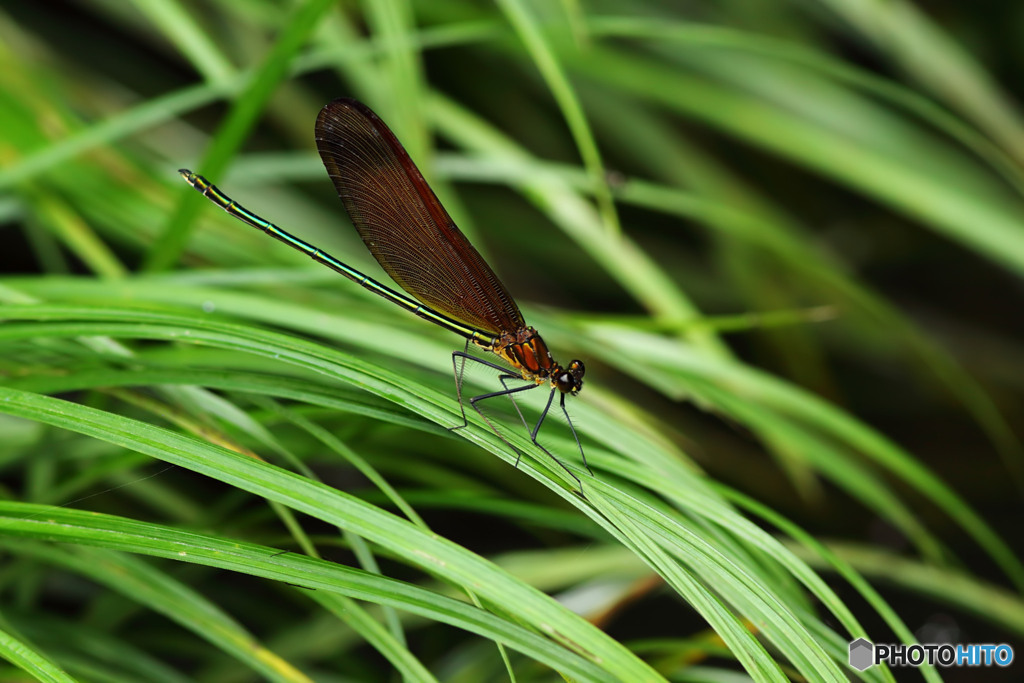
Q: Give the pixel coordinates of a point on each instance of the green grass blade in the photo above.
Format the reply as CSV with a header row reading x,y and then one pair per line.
x,y
430,553
247,108
31,661
522,20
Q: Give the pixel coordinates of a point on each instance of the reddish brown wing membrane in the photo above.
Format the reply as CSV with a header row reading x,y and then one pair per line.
x,y
404,225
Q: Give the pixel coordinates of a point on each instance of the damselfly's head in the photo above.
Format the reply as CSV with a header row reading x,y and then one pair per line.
x,y
570,380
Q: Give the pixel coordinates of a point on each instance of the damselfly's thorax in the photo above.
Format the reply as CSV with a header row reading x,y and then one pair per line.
x,y
525,351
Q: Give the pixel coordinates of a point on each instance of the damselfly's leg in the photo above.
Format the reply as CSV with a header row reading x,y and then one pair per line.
x,y
512,397
511,394
561,404
459,366
533,436
536,428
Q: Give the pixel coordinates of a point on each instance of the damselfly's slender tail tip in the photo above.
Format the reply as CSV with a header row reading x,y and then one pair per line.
x,y
186,174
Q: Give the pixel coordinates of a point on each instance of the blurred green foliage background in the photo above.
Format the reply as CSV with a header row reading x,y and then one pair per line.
x,y
786,238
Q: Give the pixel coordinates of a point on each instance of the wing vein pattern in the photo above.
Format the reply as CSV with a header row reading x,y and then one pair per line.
x,y
404,225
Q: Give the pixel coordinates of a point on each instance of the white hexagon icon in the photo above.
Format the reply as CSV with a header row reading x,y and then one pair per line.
x,y
862,654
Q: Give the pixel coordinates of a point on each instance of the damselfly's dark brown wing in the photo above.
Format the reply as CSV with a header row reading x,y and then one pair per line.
x,y
404,225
